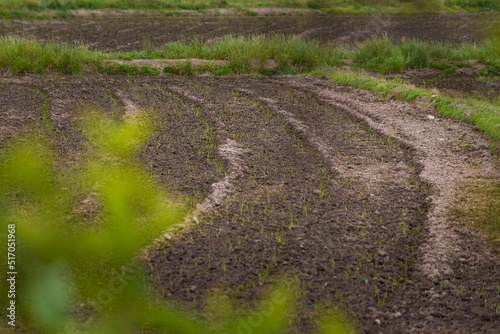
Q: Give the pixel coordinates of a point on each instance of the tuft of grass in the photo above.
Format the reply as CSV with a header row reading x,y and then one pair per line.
x,y
383,56
186,68
29,56
224,70
208,67
415,53
169,69
148,70
250,13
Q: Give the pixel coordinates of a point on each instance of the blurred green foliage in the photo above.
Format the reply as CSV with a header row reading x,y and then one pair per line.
x,y
83,275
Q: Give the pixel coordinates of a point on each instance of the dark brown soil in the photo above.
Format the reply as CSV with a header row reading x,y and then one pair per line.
x,y
21,108
323,185
458,84
127,34
294,216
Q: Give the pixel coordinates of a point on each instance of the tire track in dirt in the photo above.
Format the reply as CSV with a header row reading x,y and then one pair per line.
x,y
303,130
444,169
311,219
231,151
372,173
130,108
450,250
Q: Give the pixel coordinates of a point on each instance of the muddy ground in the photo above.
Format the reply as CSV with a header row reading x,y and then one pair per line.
x,y
464,82
135,33
295,178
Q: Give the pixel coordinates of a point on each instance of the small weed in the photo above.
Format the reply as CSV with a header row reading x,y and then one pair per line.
x,y
209,66
169,69
250,13
148,70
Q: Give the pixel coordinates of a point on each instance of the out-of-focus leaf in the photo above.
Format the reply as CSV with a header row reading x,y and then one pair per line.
x,y
49,296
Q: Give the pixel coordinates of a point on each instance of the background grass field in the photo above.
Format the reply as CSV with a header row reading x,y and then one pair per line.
x,y
342,7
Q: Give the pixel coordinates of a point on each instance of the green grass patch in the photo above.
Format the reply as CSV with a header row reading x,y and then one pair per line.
x,y
124,69
28,56
382,56
186,68
169,69
148,70
446,67
481,209
224,70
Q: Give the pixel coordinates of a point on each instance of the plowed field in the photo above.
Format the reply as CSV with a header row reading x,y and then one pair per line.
x,y
353,196
134,33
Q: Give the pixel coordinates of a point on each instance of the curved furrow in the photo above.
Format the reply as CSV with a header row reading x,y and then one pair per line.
x,y
293,216
451,257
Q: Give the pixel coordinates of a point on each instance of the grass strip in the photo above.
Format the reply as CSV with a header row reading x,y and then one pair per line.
x,y
381,55
275,54
23,56
245,54
291,53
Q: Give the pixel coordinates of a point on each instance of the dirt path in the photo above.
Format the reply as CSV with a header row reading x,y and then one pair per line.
x,y
296,178
445,167
455,159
